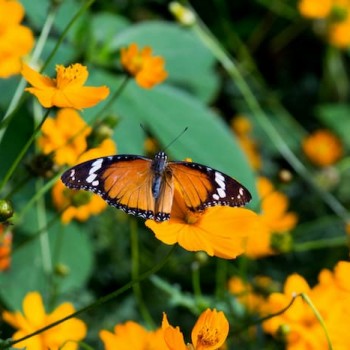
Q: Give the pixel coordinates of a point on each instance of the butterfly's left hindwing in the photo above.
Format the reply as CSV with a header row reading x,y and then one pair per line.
x,y
123,181
204,187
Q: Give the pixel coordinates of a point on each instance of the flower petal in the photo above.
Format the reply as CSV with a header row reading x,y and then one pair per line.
x,y
36,79
33,309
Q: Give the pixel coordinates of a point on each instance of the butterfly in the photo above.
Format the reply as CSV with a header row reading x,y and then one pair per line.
x,y
144,187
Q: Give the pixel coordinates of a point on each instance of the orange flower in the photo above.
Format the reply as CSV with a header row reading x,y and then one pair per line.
x,y
66,90
339,33
322,148
131,335
331,297
315,9
275,221
5,248
148,70
64,336
64,135
15,40
209,332
106,148
219,231
76,204
245,294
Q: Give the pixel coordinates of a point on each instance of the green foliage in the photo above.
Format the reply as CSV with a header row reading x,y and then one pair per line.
x,y
250,65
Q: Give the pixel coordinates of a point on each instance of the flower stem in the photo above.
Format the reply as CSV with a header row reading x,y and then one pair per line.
x,y
113,98
135,273
23,152
44,238
103,300
265,318
85,6
319,318
320,244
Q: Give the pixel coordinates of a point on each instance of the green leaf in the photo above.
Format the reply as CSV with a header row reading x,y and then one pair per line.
x,y
336,117
16,135
73,251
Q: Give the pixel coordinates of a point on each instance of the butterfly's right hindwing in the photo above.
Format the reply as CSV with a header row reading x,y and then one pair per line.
x,y
123,181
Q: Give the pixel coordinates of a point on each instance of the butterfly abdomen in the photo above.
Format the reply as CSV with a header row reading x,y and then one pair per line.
x,y
159,165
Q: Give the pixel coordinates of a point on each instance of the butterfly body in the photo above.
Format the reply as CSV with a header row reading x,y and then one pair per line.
x,y
145,187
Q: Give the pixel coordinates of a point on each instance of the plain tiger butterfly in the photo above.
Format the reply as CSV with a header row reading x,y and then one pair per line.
x,y
144,187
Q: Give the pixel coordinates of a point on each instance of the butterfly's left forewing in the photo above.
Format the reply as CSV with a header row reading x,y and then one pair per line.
x,y
124,181
203,187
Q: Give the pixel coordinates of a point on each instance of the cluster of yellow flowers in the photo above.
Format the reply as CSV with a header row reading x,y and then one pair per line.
x,y
299,324
209,332
335,17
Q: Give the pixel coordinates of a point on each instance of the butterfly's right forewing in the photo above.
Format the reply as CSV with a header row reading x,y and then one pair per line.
x,y
124,181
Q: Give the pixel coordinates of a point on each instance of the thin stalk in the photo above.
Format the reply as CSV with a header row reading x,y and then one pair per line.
x,y
220,278
196,282
44,236
103,300
23,152
65,31
320,244
319,318
265,318
135,261
38,194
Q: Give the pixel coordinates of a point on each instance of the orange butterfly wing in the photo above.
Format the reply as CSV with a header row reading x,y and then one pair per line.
x,y
203,187
125,182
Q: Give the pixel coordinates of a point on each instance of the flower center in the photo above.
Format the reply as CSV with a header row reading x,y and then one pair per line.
x,y
70,75
191,217
78,198
208,337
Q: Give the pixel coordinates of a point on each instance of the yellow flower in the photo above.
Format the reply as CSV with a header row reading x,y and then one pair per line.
x,y
15,40
5,248
131,335
245,294
209,332
64,336
148,70
322,148
273,219
66,90
339,33
76,204
219,231
331,297
315,9
106,148
65,135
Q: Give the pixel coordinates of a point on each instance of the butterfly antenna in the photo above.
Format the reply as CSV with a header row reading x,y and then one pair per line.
x,y
176,138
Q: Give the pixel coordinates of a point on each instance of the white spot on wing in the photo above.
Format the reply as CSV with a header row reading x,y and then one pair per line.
x,y
216,197
91,178
96,165
221,192
220,180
